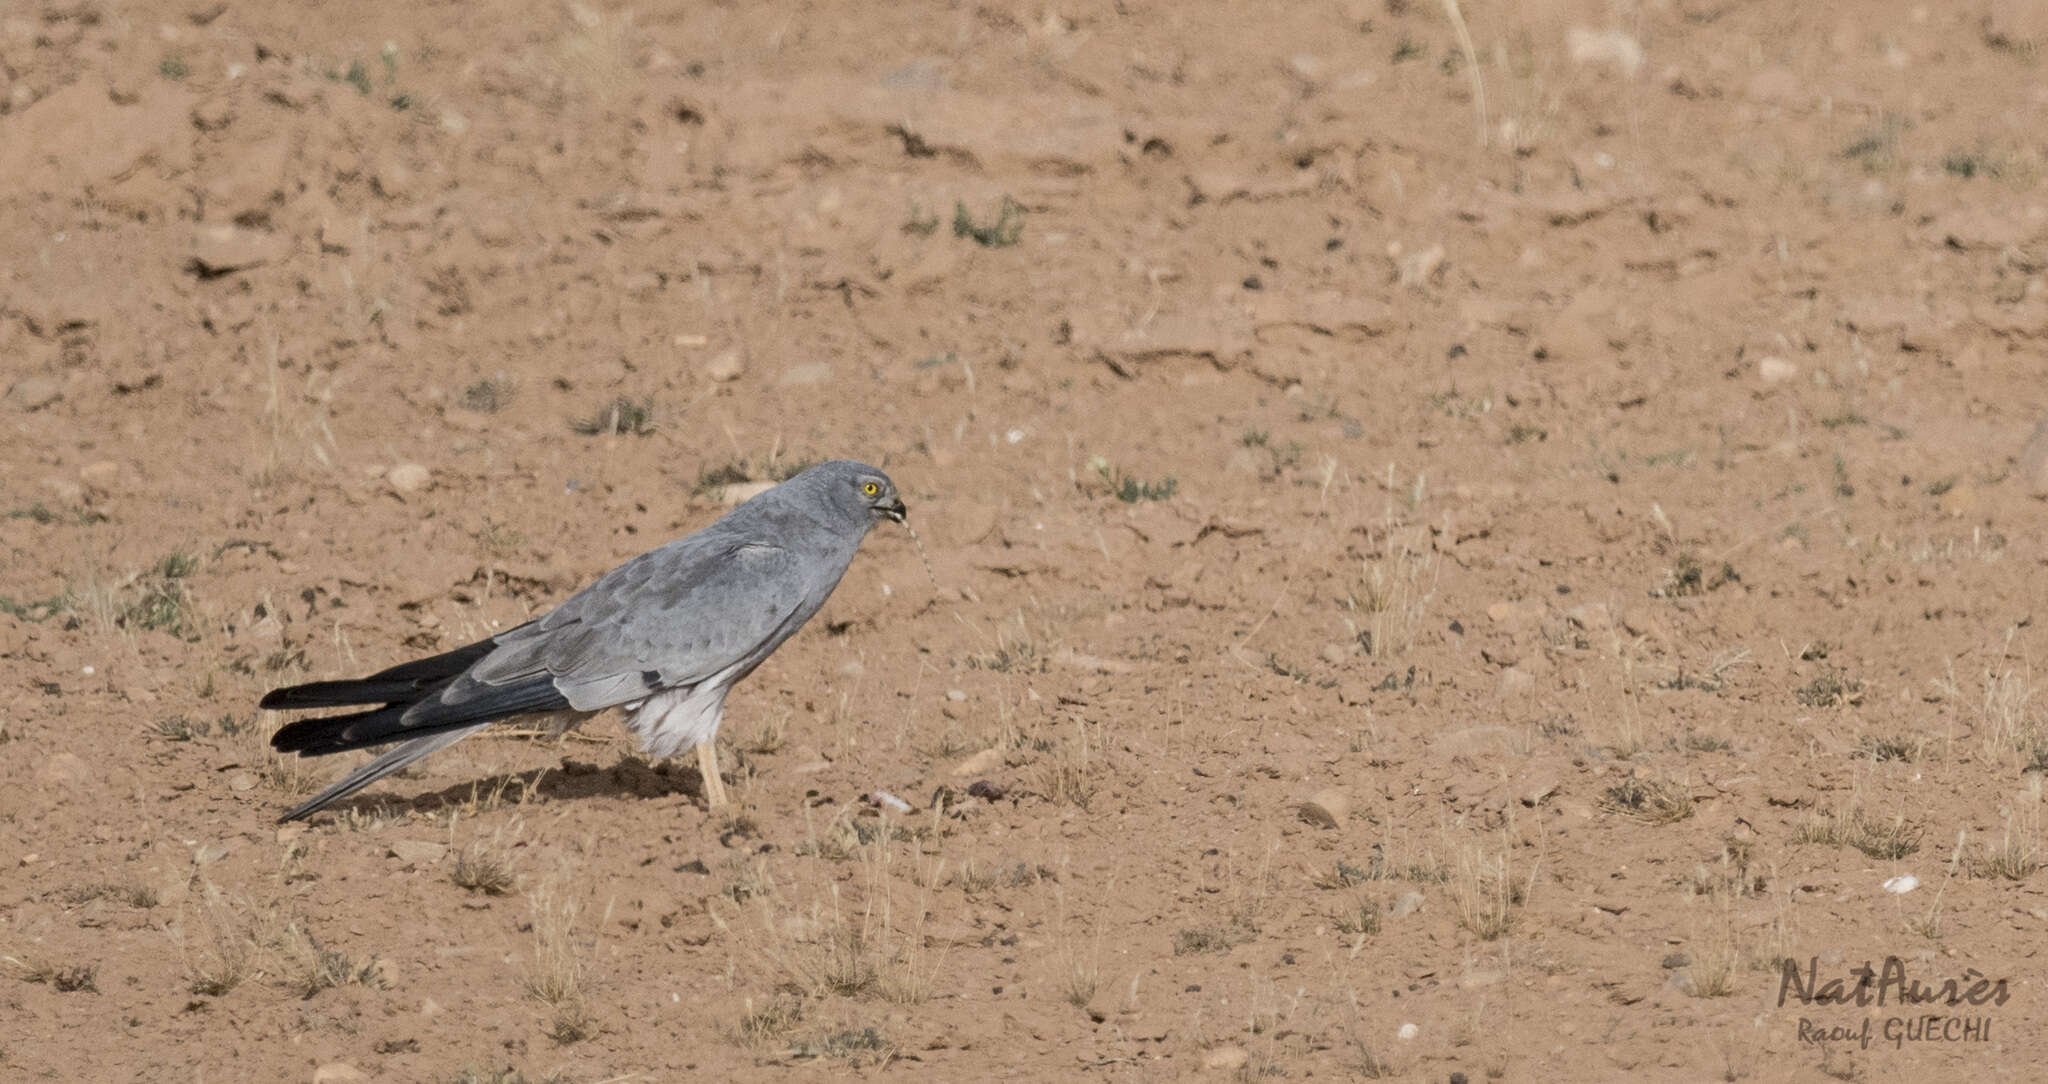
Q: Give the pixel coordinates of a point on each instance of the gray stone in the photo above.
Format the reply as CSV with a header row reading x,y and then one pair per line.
x,y
811,372
409,477
2033,462
416,852
727,367
35,392
219,250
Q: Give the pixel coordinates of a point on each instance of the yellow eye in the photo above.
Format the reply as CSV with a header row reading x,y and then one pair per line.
x,y
870,489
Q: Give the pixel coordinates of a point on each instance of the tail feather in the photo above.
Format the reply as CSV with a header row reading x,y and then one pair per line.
x,y
396,722
413,712
377,769
406,681
336,694
329,734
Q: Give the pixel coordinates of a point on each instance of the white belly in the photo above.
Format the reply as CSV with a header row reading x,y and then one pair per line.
x,y
674,720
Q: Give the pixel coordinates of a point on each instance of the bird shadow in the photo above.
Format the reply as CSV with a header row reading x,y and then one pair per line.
x,y
573,780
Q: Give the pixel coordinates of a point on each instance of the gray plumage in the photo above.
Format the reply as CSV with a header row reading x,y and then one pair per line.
x,y
664,636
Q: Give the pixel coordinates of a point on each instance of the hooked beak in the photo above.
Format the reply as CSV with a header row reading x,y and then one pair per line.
x,y
896,510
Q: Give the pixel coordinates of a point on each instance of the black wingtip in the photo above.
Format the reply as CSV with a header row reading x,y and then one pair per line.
x,y
404,683
338,694
338,733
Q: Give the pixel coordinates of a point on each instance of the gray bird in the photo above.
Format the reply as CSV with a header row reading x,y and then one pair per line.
x,y
664,636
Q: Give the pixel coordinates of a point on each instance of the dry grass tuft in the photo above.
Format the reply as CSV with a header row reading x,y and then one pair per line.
x,y
858,1047
1716,957
485,864
1736,873
505,790
1929,924
623,416
480,868
1484,892
1831,689
841,838
1345,875
1396,585
489,395
134,895
1883,750
287,773
1885,841
570,1022
555,975
2006,717
1080,970
305,966
1631,735
1687,578
1065,773
835,948
296,418
498,541
768,738
227,952
975,879
2017,855
1651,801
1363,1061
1015,650
844,962
1196,940
768,1023
64,978
1361,919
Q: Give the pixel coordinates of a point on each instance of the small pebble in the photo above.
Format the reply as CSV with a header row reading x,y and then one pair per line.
x,y
1776,370
409,477
981,763
1327,809
725,368
35,392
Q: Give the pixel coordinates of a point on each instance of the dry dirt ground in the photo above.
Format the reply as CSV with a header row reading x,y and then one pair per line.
x,y
1408,604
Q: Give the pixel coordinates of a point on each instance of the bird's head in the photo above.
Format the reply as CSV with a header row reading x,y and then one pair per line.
x,y
859,487
883,502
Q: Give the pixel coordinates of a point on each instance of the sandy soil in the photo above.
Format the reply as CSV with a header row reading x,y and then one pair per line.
x,y
1409,605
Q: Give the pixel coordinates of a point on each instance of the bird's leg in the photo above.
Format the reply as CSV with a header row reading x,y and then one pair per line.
x,y
707,766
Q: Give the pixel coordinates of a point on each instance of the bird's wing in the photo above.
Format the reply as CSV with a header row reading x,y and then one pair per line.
x,y
672,617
